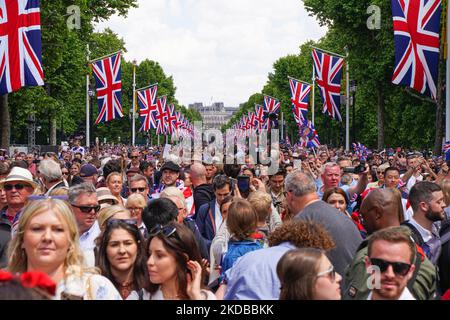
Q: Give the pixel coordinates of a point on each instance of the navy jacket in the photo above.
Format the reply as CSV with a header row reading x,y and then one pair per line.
x,y
205,221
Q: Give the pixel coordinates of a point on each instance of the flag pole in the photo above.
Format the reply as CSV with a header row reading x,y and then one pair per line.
x,y
312,98
347,108
87,101
134,105
140,89
447,81
107,56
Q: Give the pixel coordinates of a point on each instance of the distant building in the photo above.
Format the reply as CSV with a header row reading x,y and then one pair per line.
x,y
214,116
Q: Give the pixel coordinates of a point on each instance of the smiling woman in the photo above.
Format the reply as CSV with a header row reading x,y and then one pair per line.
x,y
122,257
47,240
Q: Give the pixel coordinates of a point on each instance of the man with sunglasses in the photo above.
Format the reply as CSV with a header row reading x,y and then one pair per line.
x,y
139,184
380,210
135,158
84,203
390,261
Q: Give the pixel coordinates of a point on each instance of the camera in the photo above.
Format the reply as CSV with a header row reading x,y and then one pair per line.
x,y
356,170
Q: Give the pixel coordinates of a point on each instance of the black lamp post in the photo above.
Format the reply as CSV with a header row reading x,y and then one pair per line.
x,y
353,92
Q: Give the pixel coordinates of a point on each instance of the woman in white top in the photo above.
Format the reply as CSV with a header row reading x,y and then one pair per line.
x,y
47,240
174,266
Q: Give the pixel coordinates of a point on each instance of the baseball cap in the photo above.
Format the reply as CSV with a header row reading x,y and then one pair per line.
x,y
88,170
170,166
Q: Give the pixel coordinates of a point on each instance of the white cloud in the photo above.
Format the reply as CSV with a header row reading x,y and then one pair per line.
x,y
212,48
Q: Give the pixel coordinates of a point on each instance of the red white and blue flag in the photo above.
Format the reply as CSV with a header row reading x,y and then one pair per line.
x,y
328,71
300,93
20,45
416,40
161,115
108,81
259,121
446,150
308,135
172,122
147,107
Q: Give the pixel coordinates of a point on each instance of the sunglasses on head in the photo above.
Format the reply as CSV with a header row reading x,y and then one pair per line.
x,y
165,230
87,209
9,187
111,222
400,268
133,190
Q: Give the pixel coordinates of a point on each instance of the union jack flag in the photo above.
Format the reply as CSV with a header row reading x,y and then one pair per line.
x,y
161,115
20,45
271,109
416,39
172,124
447,150
260,121
328,71
108,81
300,93
147,105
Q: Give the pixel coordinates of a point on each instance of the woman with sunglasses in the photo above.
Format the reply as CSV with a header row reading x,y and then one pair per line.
x,y
47,240
307,274
174,266
122,258
114,183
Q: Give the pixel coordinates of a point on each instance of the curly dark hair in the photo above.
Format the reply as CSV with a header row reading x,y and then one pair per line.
x,y
302,234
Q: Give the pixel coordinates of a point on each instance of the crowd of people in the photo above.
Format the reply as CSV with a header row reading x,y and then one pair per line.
x,y
120,222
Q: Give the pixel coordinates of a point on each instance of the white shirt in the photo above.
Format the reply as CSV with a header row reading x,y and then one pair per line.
x,y
87,239
218,217
424,233
406,295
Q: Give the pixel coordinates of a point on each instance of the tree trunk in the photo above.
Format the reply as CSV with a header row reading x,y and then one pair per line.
x,y
380,113
5,122
53,131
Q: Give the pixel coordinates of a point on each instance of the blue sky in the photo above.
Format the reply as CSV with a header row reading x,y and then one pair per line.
x,y
215,50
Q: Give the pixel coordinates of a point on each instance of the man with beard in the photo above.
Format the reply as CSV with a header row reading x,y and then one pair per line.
x,y
390,261
427,202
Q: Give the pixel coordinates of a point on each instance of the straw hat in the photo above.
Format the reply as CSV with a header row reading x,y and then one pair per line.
x,y
19,174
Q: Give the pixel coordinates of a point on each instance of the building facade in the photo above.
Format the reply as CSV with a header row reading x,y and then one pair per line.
x,y
214,116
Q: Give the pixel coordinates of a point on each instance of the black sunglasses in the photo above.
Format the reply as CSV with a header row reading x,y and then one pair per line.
x,y
400,268
165,230
134,157
111,222
133,190
87,209
9,187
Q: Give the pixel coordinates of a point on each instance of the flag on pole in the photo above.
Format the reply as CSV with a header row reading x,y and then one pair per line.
x,y
416,41
300,93
147,107
260,122
20,45
328,70
108,81
172,124
308,135
161,115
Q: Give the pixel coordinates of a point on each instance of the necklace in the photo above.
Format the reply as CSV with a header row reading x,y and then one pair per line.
x,y
125,289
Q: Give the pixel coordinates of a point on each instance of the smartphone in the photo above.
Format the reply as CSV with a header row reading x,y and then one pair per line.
x,y
243,183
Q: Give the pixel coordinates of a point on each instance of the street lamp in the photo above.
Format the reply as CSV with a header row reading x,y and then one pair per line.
x,y
353,92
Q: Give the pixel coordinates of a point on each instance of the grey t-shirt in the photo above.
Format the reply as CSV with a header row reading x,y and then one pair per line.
x,y
343,231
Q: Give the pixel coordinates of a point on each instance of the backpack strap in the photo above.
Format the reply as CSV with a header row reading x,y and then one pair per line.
x,y
445,238
415,233
417,263
213,220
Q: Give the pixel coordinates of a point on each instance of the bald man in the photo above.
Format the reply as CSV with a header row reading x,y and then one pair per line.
x,y
380,209
203,191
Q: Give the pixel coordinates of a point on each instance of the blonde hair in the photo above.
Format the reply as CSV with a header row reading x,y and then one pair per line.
x,y
445,185
108,212
262,203
60,192
112,174
136,199
17,256
173,192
